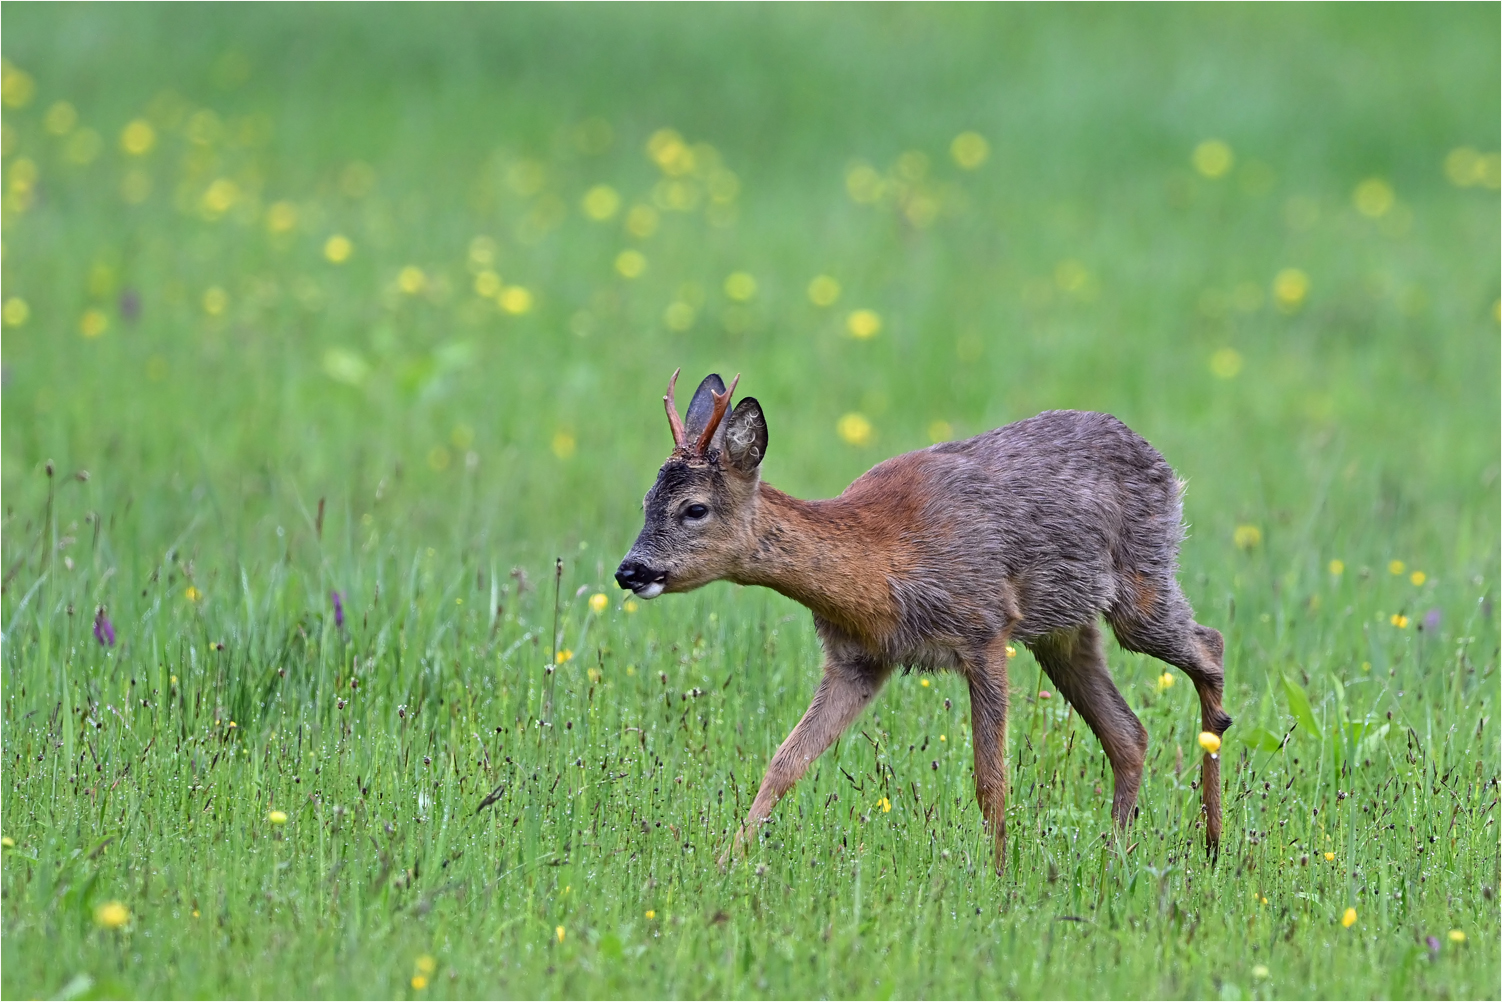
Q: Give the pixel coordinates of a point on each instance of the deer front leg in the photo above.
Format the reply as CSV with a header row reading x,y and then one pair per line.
x,y
844,691
988,725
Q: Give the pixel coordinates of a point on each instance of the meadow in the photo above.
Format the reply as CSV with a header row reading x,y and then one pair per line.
x,y
334,339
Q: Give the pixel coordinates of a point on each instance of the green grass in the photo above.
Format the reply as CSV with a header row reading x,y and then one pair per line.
x,y
429,455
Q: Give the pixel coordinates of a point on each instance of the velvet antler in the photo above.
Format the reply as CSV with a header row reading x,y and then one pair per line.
x,y
680,437
721,402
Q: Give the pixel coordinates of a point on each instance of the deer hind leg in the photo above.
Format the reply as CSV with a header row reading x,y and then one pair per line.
x,y
988,717
844,691
1157,620
1076,662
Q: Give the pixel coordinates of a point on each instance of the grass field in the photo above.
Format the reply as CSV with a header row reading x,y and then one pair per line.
x,y
381,301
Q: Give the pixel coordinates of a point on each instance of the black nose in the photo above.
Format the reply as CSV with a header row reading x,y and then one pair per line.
x,y
631,575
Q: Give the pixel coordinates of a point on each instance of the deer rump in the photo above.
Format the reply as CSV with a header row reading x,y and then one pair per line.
x,y
936,560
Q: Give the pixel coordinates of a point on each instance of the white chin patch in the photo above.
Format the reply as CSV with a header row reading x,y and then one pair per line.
x,y
651,591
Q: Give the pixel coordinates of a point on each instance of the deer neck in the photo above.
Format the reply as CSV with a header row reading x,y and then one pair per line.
x,y
834,556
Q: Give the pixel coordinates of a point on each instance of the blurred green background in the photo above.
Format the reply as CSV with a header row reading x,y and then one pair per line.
x,y
383,298
1084,263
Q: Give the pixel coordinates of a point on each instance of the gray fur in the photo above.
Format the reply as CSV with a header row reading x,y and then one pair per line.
x,y
1032,532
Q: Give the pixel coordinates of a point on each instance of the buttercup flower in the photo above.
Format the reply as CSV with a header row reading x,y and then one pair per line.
x,y
111,915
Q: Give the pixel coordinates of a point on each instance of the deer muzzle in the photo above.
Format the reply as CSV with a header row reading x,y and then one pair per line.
x,y
637,577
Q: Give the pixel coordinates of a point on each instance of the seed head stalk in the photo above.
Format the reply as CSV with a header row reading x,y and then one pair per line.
x,y
547,707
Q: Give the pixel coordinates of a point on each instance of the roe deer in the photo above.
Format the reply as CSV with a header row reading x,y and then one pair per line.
x,y
937,559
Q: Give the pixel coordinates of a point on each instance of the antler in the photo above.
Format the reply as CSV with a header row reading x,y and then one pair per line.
x,y
680,437
721,402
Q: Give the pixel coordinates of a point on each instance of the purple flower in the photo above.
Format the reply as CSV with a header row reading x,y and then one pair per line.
x,y
1433,943
1432,619
338,608
130,305
104,630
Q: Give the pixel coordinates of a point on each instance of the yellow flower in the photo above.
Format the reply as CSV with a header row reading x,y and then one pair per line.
x,y
338,248
1337,567
1329,857
16,312
1397,567
863,324
1464,167
515,299
740,286
601,202
563,444
419,982
629,606
1290,286
564,656
1210,741
411,280
943,737
823,291
559,933
60,118
214,301
1399,620
1165,682
885,804
7,842
426,964
1260,972
641,221
630,263
1373,198
855,429
1247,537
940,431
277,817
16,86
1456,936
111,915
482,251
281,217
220,197
651,914
679,316
1213,158
487,283
1226,363
192,594
1349,918
598,602
923,682
93,323
138,138
970,150
1418,577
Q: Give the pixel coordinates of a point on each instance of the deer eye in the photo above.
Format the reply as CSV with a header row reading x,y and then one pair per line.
x,y
695,511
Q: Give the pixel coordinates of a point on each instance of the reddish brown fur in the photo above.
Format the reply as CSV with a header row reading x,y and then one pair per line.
x,y
940,558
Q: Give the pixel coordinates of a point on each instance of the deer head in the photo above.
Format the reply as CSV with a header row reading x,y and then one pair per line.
x,y
699,512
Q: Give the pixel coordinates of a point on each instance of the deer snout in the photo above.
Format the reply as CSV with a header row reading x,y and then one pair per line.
x,y
635,576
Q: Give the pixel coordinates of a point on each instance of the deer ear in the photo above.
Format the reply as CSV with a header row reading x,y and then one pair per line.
x,y
745,436
702,406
